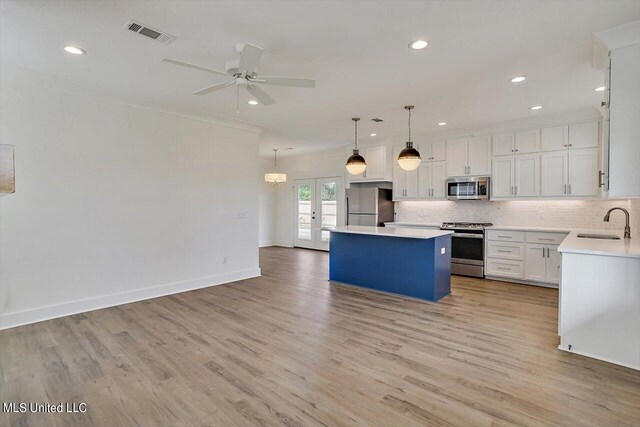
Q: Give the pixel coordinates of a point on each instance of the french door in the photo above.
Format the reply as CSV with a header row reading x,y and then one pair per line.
x,y
318,204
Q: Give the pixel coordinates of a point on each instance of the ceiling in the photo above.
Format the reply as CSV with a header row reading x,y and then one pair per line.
x,y
356,50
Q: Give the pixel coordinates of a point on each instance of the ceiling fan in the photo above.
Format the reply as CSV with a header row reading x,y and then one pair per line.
x,y
242,73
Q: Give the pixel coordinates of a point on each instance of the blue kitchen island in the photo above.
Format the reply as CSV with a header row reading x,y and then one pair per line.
x,y
411,262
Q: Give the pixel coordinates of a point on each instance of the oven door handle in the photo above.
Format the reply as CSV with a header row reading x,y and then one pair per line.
x,y
468,236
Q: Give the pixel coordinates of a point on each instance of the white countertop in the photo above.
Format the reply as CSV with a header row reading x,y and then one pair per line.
x,y
412,233
627,248
411,224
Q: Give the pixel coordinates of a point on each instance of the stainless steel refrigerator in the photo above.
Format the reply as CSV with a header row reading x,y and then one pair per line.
x,y
369,206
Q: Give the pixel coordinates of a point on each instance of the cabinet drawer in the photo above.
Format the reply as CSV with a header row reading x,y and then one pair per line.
x,y
505,268
545,238
506,250
505,236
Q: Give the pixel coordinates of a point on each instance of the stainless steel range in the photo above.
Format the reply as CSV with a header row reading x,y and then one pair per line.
x,y
467,247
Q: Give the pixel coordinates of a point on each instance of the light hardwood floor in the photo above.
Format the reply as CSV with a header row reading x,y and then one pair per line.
x,y
290,348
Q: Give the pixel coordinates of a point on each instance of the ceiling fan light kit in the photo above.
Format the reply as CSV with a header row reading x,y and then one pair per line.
x,y
356,163
243,74
275,177
409,158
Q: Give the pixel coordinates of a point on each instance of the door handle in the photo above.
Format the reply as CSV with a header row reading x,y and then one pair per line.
x,y
569,189
600,179
564,188
515,190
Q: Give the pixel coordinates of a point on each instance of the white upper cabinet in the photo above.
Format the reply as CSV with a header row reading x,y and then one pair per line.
x,y
570,173
583,172
555,138
554,174
377,169
431,180
479,156
502,179
583,135
405,183
457,157
503,144
527,175
527,141
438,151
516,176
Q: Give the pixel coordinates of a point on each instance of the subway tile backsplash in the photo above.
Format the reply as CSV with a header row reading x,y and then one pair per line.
x,y
538,213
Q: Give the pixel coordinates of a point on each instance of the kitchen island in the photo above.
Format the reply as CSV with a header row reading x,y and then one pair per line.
x,y
411,262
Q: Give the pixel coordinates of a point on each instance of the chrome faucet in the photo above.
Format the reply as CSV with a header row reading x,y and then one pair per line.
x,y
627,229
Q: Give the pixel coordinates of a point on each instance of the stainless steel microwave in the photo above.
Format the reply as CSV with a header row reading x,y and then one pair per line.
x,y
468,188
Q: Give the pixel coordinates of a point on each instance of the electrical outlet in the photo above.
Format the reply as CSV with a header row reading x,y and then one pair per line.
x,y
242,215
224,260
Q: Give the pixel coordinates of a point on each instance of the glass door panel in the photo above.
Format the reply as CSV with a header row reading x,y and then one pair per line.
x,y
304,213
327,204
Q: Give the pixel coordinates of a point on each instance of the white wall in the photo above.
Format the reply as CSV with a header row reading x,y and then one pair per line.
x,y
115,203
267,209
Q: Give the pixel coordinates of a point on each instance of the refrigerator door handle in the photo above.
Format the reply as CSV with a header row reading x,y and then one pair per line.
x,y
346,220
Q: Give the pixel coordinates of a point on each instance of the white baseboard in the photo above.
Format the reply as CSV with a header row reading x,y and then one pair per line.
x,y
284,244
11,320
604,359
266,243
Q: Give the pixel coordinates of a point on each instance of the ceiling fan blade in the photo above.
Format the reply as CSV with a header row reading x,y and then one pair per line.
x,y
250,57
286,81
260,95
213,88
195,67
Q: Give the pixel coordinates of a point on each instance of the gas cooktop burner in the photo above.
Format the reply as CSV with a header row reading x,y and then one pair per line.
x,y
467,225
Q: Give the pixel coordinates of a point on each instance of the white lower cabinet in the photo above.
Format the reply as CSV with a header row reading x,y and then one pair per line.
x,y
531,256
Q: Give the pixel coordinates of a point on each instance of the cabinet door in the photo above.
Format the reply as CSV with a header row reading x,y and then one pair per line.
x,y
527,141
479,155
438,151
502,179
583,135
527,175
555,138
554,261
457,157
425,173
399,183
375,158
583,172
411,183
535,264
553,173
502,145
438,178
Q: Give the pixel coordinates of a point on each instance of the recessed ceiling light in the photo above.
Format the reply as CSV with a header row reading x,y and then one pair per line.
x,y
75,50
253,102
373,134
518,79
600,89
418,44
535,107
442,124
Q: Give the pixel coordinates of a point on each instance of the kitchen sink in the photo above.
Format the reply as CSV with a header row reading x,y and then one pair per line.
x,y
599,236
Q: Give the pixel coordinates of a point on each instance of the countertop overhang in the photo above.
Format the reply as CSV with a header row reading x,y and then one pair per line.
x,y
410,233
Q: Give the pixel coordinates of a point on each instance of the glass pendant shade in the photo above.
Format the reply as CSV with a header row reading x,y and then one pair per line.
x,y
275,177
409,158
355,163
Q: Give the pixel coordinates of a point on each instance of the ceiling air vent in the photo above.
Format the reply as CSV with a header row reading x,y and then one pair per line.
x,y
140,28
377,120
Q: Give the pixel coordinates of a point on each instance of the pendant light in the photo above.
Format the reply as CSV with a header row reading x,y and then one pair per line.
x,y
355,163
409,158
275,177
